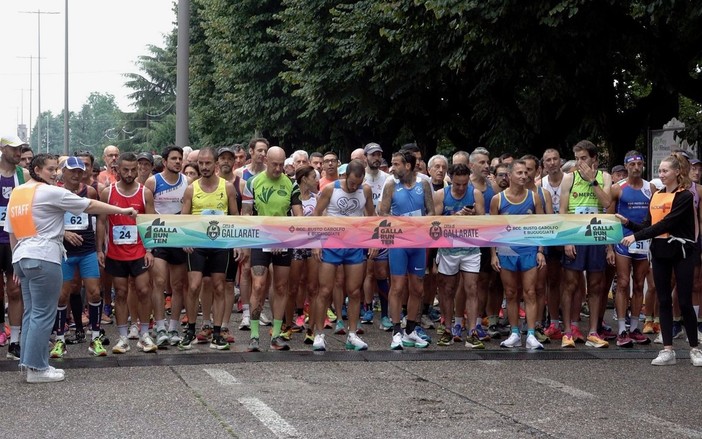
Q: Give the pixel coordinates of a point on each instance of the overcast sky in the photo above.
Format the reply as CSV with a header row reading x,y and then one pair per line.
x,y
105,38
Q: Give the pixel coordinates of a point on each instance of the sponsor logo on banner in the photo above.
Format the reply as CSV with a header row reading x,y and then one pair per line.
x,y
213,230
597,231
386,233
435,230
158,232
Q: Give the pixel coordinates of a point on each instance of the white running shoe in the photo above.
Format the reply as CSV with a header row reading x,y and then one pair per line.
x,y
413,340
514,341
147,344
122,346
133,332
319,343
658,339
354,342
49,375
696,357
174,338
264,320
533,343
426,322
245,324
665,358
396,344
162,338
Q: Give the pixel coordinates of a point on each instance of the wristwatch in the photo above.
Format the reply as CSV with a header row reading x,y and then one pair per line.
x,y
594,183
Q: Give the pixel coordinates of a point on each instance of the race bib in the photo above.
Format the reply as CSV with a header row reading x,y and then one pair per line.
x,y
212,212
417,212
122,235
76,222
3,214
583,210
640,247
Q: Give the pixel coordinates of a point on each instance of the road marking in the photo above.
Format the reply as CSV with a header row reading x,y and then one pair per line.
x,y
222,377
268,417
563,388
675,428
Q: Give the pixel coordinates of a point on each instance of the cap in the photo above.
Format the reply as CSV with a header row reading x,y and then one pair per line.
x,y
371,148
146,155
694,162
224,149
342,169
73,162
618,168
11,140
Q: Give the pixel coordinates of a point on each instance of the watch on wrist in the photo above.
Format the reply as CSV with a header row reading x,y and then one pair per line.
x,y
594,183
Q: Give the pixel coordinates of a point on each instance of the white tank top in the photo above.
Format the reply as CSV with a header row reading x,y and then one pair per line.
x,y
343,203
555,193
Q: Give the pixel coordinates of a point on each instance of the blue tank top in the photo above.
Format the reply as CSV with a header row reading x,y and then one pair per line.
x,y
525,207
488,193
633,203
408,201
452,205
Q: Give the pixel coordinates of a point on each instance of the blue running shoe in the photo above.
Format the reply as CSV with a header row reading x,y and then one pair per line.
x,y
457,332
386,323
434,314
344,314
367,317
422,333
481,333
677,329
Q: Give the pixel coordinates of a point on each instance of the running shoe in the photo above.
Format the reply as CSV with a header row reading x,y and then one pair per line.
x,y
354,342
3,338
133,332
677,329
167,305
567,341
554,332
319,344
514,341
264,320
331,315
434,314
656,327
186,343
658,339
227,335
624,341
648,327
205,334
340,329
96,348
578,336
494,332
541,335
58,350
122,346
162,338
440,329
396,344
13,351
638,338
585,310
482,334
220,343
665,358
360,330
385,324
457,333
344,312
78,337
446,339
473,342
422,333
327,323
595,341
245,324
606,333
367,317
286,334
426,322
696,357
146,343
279,344
533,343
105,319
253,346
309,337
50,375
413,340
300,322
174,338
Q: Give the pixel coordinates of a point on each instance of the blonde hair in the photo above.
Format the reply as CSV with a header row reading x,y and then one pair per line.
x,y
679,162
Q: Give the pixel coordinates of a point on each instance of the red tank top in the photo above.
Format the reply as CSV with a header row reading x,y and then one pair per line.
x,y
124,243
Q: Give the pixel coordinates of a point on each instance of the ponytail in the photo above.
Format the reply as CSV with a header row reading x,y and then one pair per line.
x,y
39,161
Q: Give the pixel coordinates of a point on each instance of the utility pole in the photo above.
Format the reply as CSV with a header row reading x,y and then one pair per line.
x,y
39,14
65,87
182,75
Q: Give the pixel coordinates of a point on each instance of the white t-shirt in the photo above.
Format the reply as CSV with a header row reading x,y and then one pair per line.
x,y
48,209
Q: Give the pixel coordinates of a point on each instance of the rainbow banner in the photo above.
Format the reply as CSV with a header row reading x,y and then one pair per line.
x,y
376,232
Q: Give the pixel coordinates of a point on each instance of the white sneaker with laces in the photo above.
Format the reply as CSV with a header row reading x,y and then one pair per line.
x,y
665,358
133,332
122,346
319,344
245,324
396,344
533,343
514,341
413,340
426,322
353,341
264,320
49,375
696,357
147,344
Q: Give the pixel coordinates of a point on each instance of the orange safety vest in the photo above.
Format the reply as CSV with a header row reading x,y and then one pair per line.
x,y
19,211
660,207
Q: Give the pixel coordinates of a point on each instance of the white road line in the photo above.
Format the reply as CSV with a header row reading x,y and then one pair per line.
x,y
563,388
222,377
268,417
673,427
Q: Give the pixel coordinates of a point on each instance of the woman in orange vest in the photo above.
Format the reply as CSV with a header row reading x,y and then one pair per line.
x,y
35,214
670,225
